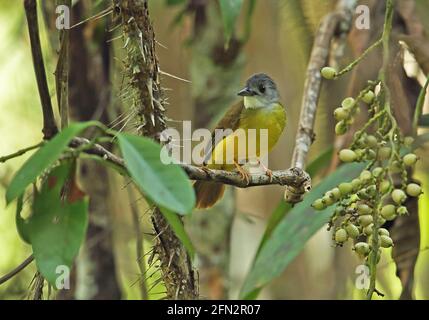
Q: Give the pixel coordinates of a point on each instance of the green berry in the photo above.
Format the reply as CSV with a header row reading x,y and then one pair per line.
x,y
341,236
352,231
364,209
339,211
345,188
362,248
377,172
365,176
384,186
395,167
368,97
356,184
347,155
410,159
348,103
371,141
381,221
328,73
365,220
371,190
341,114
362,193
388,212
386,241
402,211
371,154
384,153
368,229
383,232
336,193
414,190
341,128
408,141
328,200
398,196
318,204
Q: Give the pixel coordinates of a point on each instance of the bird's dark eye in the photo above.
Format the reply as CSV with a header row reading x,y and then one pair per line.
x,y
261,88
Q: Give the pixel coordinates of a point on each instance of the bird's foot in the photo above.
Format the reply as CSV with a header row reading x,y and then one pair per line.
x,y
268,172
245,176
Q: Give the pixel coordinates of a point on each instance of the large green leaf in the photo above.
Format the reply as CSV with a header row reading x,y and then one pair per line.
x,y
57,227
291,234
179,229
43,159
230,9
21,223
424,120
166,184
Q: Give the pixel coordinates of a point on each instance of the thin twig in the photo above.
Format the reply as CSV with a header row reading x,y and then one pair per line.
x,y
17,270
49,125
20,152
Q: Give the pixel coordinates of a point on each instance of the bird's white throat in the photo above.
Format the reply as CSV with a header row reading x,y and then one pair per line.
x,y
253,103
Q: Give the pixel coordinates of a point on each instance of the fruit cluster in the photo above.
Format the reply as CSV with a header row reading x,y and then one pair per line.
x,y
379,193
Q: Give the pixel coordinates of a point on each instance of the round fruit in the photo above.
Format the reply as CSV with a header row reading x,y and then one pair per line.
x,y
336,193
362,248
395,167
347,155
356,184
388,212
341,236
362,193
384,153
408,141
318,204
352,230
383,232
384,186
340,128
327,199
414,190
386,241
371,154
398,196
341,114
371,141
371,190
365,220
368,229
348,103
368,97
345,188
376,172
364,209
381,221
410,159
328,73
365,175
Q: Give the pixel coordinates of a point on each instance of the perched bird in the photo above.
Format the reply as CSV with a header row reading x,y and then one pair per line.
x,y
259,109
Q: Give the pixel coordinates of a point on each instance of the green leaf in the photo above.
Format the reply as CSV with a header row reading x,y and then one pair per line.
x,y
57,226
283,207
43,159
166,184
230,9
21,223
424,120
289,237
178,228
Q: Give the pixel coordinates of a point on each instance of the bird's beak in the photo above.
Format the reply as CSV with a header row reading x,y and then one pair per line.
x,y
246,92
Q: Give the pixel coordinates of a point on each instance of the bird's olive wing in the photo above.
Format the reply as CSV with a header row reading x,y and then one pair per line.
x,y
228,124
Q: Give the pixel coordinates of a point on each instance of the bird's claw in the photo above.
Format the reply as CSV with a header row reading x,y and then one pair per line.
x,y
245,176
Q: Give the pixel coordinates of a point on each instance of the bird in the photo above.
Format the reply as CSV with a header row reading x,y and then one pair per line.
x,y
259,108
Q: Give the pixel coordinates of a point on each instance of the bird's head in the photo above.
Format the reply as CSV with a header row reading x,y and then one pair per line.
x,y
260,91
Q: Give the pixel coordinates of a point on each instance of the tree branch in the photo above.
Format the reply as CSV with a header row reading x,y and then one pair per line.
x,y
293,177
318,59
20,152
49,125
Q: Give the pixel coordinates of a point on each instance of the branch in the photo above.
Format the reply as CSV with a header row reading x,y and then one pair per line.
x,y
318,59
19,152
293,177
49,125
17,270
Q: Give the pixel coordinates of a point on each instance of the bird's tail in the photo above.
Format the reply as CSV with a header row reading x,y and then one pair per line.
x,y
208,193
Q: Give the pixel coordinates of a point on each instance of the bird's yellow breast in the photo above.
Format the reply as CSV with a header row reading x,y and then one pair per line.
x,y
251,125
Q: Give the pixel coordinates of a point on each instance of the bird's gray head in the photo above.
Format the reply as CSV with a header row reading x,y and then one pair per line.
x,y
260,91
